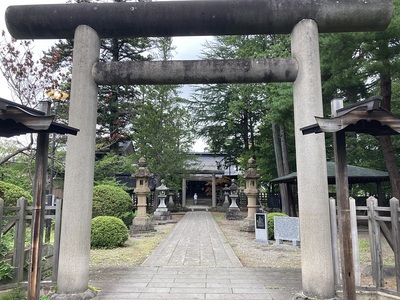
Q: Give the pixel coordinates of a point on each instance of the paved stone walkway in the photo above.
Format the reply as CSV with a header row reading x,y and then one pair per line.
x,y
196,241
196,262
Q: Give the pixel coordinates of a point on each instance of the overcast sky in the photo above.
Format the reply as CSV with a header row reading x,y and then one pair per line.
x,y
187,47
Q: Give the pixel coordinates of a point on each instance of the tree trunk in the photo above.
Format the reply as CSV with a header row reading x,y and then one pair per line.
x,y
386,141
279,167
286,170
245,128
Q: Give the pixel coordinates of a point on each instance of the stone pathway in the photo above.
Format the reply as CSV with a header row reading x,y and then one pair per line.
x,y
196,241
196,262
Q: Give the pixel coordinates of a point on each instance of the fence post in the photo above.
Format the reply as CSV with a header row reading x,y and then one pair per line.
x,y
375,242
19,241
335,248
394,213
354,239
1,217
57,233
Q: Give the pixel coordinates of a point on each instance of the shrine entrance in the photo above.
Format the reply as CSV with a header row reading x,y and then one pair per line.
x,y
87,23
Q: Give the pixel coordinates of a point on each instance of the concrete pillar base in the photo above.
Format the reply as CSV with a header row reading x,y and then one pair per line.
x,y
301,296
247,225
89,294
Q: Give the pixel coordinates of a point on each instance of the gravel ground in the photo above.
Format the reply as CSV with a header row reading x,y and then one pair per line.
x,y
254,255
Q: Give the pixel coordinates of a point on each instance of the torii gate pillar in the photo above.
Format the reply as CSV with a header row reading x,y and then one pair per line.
x,y
316,250
73,272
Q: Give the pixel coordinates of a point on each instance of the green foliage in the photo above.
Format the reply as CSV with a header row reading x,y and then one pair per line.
x,y
10,193
112,201
236,118
111,164
270,217
108,232
117,104
19,294
15,294
15,173
6,270
14,167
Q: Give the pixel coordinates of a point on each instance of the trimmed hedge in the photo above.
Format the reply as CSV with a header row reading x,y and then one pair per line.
x,y
270,217
108,232
113,201
10,193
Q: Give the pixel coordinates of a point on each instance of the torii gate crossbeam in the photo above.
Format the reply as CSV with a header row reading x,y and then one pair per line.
x,y
190,18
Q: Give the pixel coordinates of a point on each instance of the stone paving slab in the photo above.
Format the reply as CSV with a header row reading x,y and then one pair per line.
x,y
196,262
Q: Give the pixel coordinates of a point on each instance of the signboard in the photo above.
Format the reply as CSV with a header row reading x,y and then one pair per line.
x,y
261,227
287,229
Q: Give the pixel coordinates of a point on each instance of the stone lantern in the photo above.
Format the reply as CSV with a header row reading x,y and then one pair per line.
x,y
251,191
142,222
171,203
162,212
226,196
233,212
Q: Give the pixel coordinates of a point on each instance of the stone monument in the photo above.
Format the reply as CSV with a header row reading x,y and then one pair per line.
x,y
142,222
251,191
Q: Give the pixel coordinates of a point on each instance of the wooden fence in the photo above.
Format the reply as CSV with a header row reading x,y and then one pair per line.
x,y
19,217
382,222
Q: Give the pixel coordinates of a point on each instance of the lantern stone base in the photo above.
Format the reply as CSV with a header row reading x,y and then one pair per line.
x,y
233,213
247,225
141,225
161,215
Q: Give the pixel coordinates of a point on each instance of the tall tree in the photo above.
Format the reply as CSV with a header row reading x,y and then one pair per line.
x,y
359,65
162,130
29,76
117,104
237,118
229,114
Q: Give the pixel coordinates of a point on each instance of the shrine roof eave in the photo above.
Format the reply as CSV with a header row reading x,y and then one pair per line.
x,y
364,117
17,119
355,175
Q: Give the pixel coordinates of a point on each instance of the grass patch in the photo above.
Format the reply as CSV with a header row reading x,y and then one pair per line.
x,y
133,253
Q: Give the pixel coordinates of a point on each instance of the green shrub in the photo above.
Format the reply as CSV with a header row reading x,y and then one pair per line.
x,y
270,217
6,247
108,232
10,193
113,201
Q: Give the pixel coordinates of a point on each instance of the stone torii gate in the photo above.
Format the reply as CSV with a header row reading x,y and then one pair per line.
x,y
303,19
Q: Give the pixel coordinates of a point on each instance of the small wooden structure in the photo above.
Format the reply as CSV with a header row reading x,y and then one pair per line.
x,y
16,119
363,117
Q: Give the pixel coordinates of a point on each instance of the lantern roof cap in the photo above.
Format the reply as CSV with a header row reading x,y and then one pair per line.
x,y
251,172
162,187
